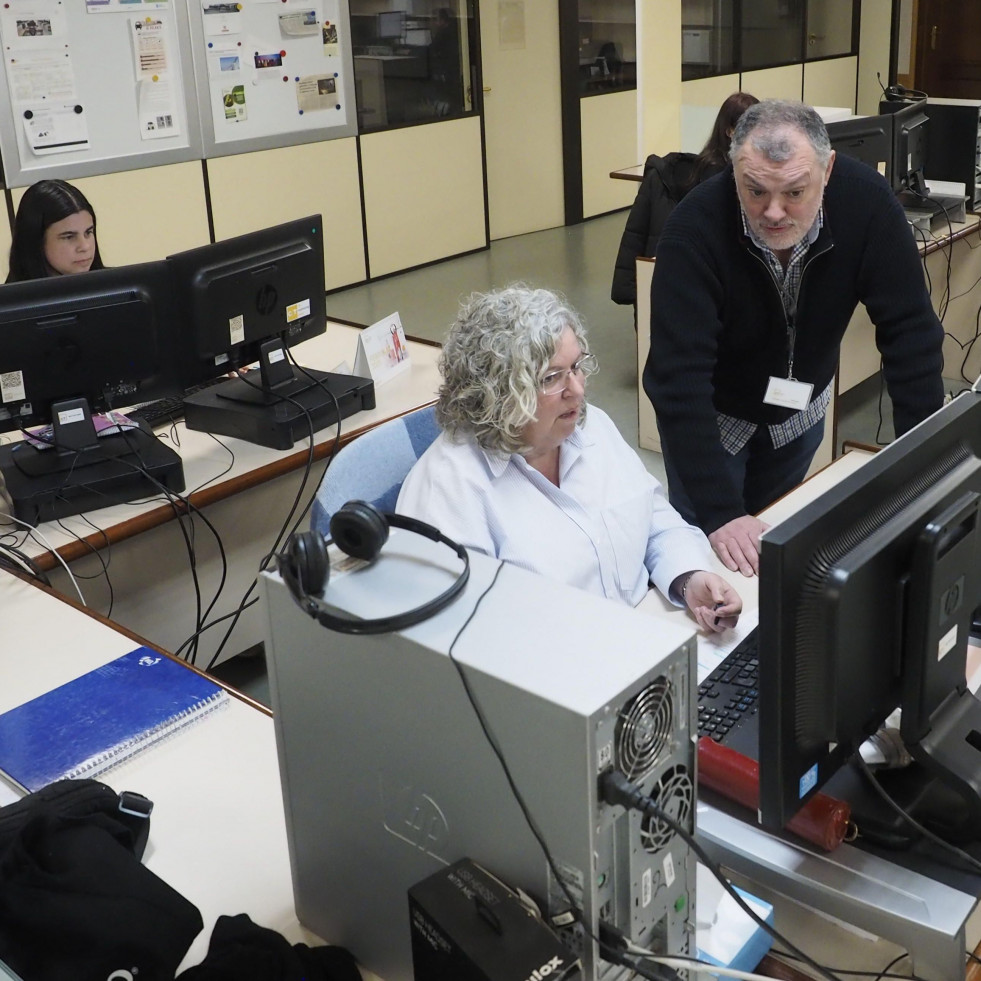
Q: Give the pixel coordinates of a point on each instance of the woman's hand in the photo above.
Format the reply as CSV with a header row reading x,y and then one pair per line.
x,y
714,604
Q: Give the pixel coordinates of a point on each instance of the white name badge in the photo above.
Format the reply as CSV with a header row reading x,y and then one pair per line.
x,y
788,393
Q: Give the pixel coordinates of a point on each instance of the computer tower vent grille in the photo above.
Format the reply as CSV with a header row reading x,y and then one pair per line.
x,y
644,729
673,794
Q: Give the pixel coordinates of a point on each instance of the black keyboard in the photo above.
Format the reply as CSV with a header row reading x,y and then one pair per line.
x,y
729,695
170,409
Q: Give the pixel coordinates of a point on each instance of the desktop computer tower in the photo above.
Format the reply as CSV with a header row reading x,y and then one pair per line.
x,y
953,144
388,775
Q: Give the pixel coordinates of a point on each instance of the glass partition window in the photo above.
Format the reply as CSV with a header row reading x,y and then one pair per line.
x,y
413,61
719,37
831,29
771,33
707,38
607,46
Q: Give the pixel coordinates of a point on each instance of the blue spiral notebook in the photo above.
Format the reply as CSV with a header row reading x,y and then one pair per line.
x,y
101,719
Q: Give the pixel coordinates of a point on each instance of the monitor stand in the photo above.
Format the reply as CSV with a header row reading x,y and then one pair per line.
x,y
81,471
926,200
282,406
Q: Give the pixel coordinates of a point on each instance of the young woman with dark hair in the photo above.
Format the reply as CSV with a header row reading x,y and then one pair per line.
x,y
54,233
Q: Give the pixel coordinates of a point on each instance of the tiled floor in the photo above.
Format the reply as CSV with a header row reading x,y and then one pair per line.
x,y
577,261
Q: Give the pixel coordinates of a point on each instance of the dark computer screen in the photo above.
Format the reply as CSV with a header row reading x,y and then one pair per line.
x,y
238,293
248,299
74,346
390,24
866,602
909,148
100,336
865,138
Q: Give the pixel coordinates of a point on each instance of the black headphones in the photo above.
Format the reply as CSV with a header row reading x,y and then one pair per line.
x,y
359,529
899,93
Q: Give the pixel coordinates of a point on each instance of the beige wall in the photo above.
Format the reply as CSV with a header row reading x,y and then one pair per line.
x,y
786,82
831,83
701,98
423,194
255,190
658,76
609,142
522,116
873,54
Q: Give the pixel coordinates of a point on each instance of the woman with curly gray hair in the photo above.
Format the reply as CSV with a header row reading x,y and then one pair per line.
x,y
522,472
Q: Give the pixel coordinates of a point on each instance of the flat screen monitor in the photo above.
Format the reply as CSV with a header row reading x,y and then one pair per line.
x,y
98,335
390,23
864,138
238,293
245,300
866,602
909,149
74,346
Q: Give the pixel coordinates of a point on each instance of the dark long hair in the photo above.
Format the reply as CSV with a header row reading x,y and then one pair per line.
x,y
42,205
715,154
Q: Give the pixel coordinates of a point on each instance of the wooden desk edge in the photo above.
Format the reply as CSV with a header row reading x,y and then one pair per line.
x,y
971,225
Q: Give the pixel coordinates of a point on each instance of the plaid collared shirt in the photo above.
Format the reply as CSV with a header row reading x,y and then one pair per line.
x,y
736,433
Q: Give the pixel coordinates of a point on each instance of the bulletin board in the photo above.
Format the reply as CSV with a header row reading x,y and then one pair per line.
x,y
271,73
94,86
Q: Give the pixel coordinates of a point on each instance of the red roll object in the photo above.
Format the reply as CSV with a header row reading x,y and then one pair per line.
x,y
824,821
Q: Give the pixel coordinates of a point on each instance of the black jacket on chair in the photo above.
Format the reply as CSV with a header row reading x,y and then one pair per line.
x,y
666,181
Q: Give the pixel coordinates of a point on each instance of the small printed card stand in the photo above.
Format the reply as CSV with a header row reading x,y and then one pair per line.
x,y
382,350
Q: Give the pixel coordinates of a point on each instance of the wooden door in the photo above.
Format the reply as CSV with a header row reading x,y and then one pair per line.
x,y
948,59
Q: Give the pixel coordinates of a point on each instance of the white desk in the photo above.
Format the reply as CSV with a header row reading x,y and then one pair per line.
x,y
244,490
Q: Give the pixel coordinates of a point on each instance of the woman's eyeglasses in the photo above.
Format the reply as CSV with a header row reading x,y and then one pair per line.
x,y
556,382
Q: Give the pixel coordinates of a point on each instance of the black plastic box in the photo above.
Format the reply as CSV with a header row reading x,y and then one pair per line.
x,y
466,926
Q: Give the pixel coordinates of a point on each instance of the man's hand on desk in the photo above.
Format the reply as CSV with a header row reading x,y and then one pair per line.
x,y
737,544
714,604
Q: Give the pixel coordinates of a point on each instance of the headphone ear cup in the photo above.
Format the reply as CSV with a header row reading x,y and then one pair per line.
x,y
359,529
307,555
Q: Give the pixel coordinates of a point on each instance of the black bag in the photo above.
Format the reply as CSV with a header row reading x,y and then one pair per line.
x,y
75,902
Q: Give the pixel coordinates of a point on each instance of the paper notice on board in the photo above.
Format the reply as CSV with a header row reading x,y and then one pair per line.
x,y
149,37
40,75
33,26
222,18
157,109
233,104
55,129
328,35
299,23
224,64
113,6
315,92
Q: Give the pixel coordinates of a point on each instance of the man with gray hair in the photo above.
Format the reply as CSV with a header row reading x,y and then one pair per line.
x,y
758,273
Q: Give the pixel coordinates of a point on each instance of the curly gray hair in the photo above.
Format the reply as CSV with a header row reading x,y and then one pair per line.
x,y
493,361
764,127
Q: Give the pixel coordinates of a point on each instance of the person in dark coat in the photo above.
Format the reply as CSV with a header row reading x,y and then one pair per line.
x,y
666,181
759,271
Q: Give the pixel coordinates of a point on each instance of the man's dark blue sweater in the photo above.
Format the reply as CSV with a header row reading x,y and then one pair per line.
x,y
718,330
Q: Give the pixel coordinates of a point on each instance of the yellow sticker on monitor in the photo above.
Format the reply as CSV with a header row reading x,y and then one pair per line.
x,y
297,310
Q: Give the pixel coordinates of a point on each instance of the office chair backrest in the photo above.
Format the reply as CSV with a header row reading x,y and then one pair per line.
x,y
373,467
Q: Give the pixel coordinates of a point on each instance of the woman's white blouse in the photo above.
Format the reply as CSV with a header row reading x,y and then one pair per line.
x,y
607,528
